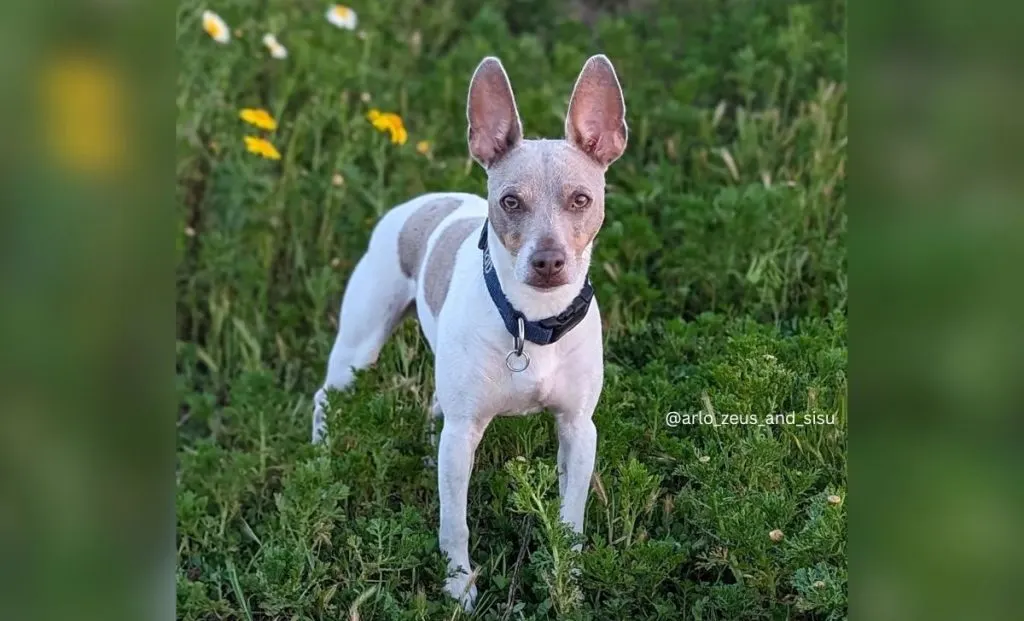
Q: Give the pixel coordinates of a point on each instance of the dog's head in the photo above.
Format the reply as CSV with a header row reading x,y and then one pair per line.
x,y
546,197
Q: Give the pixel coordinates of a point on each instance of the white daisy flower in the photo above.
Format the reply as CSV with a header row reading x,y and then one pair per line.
x,y
342,17
216,27
276,49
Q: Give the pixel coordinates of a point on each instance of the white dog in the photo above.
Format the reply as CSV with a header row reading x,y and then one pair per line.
x,y
501,291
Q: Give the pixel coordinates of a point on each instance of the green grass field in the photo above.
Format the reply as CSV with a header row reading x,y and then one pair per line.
x,y
721,273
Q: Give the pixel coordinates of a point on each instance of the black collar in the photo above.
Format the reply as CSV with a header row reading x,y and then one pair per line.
x,y
545,331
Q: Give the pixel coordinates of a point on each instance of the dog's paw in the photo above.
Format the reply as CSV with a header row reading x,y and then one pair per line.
x,y
462,587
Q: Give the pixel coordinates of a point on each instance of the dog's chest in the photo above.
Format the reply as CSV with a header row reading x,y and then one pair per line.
x,y
472,346
533,389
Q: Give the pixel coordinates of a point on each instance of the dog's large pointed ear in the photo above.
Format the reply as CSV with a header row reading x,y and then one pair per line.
x,y
596,122
494,127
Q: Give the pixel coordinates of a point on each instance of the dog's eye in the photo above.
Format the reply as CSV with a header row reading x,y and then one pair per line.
x,y
510,202
580,201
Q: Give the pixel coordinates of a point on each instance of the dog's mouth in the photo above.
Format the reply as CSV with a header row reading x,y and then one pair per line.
x,y
542,285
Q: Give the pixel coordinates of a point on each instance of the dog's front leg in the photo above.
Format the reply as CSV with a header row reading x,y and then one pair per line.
x,y
577,448
459,439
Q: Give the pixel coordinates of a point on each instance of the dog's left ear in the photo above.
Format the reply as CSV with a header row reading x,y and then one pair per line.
x,y
596,122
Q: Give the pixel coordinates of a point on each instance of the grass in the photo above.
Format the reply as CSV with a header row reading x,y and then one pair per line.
x,y
721,272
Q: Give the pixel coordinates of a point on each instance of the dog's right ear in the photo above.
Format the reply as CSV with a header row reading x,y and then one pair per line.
x,y
494,127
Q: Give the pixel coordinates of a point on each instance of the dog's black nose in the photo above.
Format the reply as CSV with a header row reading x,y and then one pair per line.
x,y
548,263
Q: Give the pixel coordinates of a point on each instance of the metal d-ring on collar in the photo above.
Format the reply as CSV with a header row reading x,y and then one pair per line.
x,y
518,341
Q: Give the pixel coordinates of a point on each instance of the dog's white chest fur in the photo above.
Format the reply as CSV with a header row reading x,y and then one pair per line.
x,y
530,391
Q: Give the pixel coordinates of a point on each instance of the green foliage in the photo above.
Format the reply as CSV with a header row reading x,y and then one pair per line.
x,y
555,563
721,273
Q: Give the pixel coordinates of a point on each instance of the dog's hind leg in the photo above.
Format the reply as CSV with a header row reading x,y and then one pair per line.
x,y
375,301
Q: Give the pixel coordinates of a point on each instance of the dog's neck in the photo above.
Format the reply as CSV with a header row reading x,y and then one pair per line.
x,y
533,303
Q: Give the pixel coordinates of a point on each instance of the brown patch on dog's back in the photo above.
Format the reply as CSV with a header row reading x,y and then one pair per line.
x,y
412,239
441,263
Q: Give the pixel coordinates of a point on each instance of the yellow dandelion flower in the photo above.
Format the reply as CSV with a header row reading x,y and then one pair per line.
x,y
384,121
391,123
342,17
216,27
276,49
261,147
423,147
258,117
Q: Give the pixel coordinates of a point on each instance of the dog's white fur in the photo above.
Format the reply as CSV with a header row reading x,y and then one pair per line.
x,y
468,338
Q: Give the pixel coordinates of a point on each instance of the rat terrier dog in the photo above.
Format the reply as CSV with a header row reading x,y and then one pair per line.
x,y
501,292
